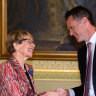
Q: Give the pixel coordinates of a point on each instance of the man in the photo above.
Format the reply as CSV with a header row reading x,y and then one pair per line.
x,y
81,25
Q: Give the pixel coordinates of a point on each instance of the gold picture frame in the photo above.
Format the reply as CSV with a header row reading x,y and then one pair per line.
x,y
44,55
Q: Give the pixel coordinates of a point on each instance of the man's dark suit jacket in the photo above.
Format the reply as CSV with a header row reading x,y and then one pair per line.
x,y
82,55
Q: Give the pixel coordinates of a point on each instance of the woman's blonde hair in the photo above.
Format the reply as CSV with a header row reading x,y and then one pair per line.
x,y
15,36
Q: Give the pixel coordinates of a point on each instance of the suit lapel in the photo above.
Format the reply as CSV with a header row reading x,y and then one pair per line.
x,y
94,71
82,62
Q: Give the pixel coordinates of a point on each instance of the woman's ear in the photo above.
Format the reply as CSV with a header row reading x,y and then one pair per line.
x,y
15,45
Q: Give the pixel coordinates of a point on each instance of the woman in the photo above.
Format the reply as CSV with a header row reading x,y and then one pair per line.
x,y
16,77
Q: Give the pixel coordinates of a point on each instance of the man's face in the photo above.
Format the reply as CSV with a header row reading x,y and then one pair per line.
x,y
76,28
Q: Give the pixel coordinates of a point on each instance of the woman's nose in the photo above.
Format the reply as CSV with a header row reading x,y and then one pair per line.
x,y
34,45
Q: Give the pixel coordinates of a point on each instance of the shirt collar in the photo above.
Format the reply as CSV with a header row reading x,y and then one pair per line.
x,y
92,39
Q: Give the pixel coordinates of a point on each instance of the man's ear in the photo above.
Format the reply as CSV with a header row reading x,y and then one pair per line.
x,y
84,20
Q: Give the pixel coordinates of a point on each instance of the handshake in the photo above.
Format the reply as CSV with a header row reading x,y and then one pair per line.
x,y
58,92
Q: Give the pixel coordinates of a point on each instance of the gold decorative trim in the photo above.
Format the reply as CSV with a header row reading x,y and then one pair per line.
x,y
57,75
56,80
48,70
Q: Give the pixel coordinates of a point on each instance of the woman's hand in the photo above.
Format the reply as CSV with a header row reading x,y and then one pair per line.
x,y
58,92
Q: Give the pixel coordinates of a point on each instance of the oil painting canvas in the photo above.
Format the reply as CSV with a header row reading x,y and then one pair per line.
x,y
44,19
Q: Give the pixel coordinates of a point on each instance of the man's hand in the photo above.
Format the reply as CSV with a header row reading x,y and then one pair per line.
x,y
63,92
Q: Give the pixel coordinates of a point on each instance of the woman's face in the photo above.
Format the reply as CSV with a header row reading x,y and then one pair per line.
x,y
25,49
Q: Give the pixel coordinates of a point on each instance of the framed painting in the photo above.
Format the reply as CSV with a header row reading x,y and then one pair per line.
x,y
47,26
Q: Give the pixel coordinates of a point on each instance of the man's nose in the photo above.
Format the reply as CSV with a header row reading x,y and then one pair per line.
x,y
71,33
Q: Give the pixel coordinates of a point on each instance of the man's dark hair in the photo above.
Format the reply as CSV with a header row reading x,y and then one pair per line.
x,y
79,12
